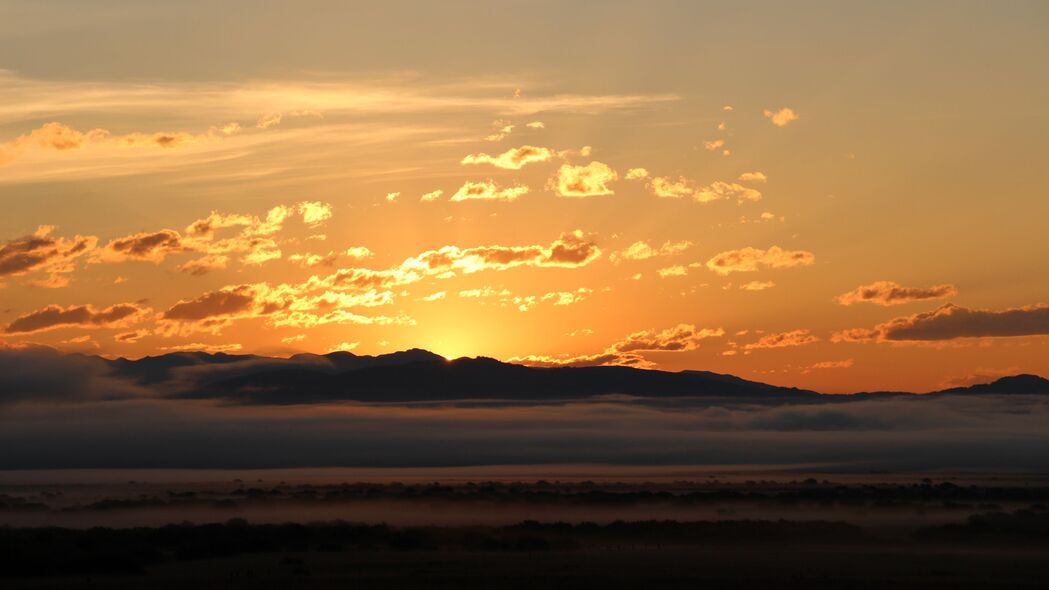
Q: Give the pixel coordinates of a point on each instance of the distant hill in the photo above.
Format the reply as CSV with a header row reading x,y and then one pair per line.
x,y
1016,384
420,375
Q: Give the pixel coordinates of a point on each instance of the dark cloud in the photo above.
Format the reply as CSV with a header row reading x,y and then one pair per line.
x,y
890,293
77,316
952,321
41,251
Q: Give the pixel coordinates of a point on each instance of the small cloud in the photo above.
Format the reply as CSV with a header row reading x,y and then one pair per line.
x,y
751,259
583,181
672,271
293,339
782,117
431,196
753,177
636,174
757,285
512,159
535,125
783,340
886,293
487,190
392,197
434,296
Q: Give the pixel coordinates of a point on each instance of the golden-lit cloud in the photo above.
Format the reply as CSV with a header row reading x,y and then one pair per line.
x,y
672,271
41,252
753,177
431,196
49,136
314,213
670,188
757,285
783,340
535,125
130,337
822,365
487,190
203,346
53,317
950,322
782,117
629,351
512,159
719,190
204,264
636,174
641,250
752,259
888,293
149,246
583,181
505,298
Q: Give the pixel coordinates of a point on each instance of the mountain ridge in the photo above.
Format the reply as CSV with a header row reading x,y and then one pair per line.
x,y
420,375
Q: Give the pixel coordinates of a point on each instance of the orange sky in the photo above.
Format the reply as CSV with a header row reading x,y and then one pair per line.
x,y
839,198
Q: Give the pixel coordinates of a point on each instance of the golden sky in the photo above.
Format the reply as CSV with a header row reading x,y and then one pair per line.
x,y
835,197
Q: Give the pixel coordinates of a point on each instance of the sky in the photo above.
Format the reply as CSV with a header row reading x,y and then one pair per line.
x,y
840,197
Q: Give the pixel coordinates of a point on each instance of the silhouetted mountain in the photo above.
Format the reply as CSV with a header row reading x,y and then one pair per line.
x,y
199,368
420,375
484,379
1016,384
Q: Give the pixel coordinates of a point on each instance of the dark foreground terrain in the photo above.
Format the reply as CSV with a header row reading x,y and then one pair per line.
x,y
801,533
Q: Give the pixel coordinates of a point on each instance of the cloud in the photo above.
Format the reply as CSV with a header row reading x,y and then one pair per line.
x,y
392,197
51,136
753,177
53,317
502,129
719,190
535,125
434,296
640,250
487,190
314,213
888,293
149,246
952,434
571,249
669,188
949,322
583,181
201,346
203,265
783,340
781,117
672,271
344,347
43,252
431,196
752,259
512,159
757,285
843,364
40,374
636,174
130,337
629,350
